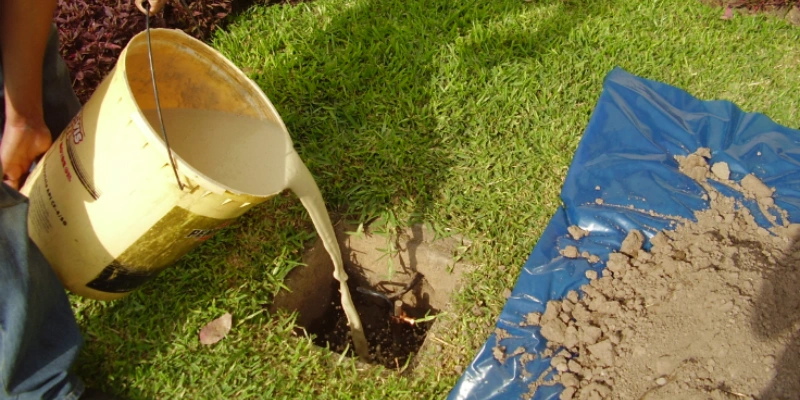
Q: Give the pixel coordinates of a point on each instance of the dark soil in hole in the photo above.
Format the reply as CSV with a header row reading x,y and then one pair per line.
x,y
392,340
423,274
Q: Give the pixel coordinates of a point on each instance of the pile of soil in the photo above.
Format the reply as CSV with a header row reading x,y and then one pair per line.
x,y
711,311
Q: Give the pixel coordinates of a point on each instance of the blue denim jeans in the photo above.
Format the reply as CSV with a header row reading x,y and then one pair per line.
x,y
39,338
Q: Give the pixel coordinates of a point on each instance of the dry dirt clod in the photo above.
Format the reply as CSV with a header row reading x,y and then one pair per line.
x,y
532,319
570,252
632,243
721,170
757,188
577,232
591,274
501,334
499,353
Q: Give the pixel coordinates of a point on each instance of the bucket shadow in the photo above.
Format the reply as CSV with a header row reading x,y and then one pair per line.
x,y
408,161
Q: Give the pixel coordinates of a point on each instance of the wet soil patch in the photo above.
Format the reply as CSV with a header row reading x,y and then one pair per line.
x,y
398,293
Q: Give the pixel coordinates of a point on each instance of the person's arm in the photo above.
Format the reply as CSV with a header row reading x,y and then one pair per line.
x,y
24,30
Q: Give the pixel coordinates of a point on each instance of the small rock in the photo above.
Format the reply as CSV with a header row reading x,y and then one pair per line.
x,y
570,252
661,381
506,293
458,369
599,201
721,170
577,232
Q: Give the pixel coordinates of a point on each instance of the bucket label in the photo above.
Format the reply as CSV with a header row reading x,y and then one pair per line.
x,y
74,136
164,243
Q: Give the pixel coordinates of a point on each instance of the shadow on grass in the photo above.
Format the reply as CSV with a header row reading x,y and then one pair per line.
x,y
361,101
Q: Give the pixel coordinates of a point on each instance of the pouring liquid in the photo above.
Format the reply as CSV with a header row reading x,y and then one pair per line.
x,y
255,156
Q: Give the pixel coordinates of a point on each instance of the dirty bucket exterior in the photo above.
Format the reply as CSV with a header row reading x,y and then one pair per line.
x,y
105,207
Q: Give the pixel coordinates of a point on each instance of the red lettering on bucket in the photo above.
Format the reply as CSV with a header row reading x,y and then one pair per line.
x,y
64,161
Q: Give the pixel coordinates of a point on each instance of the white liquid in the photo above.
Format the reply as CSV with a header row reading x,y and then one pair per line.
x,y
256,157
241,153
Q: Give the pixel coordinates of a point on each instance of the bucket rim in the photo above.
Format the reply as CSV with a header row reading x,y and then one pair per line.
x,y
177,37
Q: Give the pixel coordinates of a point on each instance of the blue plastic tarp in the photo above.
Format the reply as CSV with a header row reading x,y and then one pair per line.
x,y
626,157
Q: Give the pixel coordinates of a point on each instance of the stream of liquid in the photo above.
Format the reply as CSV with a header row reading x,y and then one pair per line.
x,y
256,157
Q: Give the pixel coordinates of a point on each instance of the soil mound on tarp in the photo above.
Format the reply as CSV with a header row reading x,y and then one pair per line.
x,y
710,311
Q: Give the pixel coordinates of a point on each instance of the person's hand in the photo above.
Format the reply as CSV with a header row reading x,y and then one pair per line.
x,y
155,5
21,145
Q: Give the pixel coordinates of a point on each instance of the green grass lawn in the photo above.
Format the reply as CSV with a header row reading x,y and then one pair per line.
x,y
464,114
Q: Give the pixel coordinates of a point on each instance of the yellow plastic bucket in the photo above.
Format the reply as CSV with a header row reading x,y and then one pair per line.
x,y
105,207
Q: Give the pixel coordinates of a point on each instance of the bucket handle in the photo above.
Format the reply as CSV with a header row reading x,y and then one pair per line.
x,y
155,93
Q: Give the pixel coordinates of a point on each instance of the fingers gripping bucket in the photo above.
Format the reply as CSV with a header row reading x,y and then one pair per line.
x,y
105,208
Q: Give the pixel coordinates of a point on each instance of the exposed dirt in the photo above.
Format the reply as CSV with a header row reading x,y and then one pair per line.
x,y
392,291
711,311
788,10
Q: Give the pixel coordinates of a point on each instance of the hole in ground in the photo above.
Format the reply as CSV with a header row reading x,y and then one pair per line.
x,y
389,291
392,336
